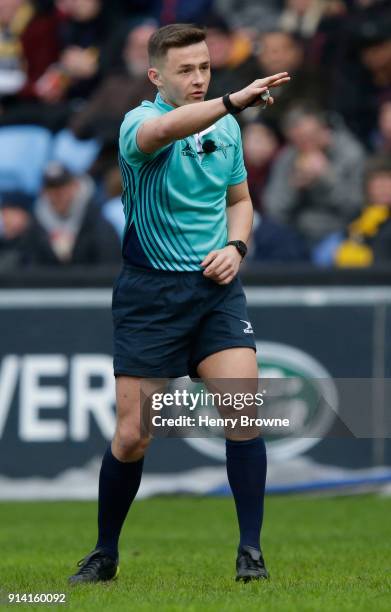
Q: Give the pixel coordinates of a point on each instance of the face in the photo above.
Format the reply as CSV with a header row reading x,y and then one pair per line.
x,y
80,10
136,49
385,121
259,144
379,188
14,222
279,52
183,75
220,47
8,9
61,197
308,134
377,57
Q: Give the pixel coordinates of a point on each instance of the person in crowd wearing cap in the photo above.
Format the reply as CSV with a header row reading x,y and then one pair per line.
x,y
15,219
68,227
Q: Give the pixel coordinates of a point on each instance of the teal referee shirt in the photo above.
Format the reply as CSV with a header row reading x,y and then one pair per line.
x,y
175,198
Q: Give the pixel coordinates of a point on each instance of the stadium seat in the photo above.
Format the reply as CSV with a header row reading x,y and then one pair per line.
x,y
24,151
77,155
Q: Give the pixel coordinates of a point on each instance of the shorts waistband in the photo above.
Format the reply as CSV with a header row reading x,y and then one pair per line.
x,y
126,267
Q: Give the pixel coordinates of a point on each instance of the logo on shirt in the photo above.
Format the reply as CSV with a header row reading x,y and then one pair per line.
x,y
188,151
223,148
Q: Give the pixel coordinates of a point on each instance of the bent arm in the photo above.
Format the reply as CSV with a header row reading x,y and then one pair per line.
x,y
223,265
239,212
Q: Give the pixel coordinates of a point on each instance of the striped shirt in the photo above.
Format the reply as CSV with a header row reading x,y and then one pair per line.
x,y
175,198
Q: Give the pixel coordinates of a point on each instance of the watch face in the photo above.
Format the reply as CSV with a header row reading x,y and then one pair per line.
x,y
240,246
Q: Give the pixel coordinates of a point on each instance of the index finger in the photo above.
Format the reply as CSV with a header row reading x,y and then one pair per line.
x,y
208,259
275,77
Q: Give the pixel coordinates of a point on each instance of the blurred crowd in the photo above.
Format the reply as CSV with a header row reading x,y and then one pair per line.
x,y
318,160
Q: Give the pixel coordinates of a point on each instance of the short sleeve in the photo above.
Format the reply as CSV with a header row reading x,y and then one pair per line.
x,y
128,146
239,173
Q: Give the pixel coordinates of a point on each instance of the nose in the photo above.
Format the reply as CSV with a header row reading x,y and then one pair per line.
x,y
198,78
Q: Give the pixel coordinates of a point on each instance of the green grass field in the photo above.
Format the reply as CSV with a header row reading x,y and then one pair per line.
x,y
178,554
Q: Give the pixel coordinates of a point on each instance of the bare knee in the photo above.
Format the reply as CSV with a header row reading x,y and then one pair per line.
x,y
129,445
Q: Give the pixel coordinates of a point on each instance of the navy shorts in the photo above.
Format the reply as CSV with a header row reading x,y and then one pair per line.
x,y
166,323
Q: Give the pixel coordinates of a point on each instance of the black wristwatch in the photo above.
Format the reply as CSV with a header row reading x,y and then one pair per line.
x,y
231,108
240,246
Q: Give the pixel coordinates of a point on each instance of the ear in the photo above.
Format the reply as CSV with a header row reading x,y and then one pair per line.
x,y
154,76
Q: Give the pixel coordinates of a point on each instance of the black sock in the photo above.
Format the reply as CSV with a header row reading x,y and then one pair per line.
x,y
246,470
118,486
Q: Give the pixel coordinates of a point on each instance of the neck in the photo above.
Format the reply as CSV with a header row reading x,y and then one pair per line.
x,y
165,99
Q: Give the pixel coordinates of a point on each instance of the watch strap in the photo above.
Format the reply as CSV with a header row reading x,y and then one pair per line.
x,y
231,108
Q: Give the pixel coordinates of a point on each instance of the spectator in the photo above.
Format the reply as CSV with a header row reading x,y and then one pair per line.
x,y
232,65
68,227
278,52
303,17
260,148
363,79
382,138
28,46
369,236
318,24
120,90
84,33
15,219
250,16
316,182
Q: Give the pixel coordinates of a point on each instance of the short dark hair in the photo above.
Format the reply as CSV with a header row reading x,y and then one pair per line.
x,y
173,35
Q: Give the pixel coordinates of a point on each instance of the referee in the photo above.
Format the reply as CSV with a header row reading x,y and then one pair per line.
x,y
178,305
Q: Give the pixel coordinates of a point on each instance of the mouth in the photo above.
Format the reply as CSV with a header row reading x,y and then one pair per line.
x,y
198,94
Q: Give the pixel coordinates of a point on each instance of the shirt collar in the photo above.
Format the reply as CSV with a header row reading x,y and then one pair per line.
x,y
162,103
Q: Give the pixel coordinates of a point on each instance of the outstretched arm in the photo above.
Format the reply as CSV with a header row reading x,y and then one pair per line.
x,y
193,118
